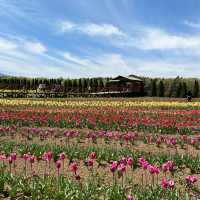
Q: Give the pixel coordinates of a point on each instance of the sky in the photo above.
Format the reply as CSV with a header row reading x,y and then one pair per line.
x,y
93,38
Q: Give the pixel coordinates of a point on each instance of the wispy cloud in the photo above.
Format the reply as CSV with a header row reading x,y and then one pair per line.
x,y
192,24
28,57
92,29
66,26
12,43
6,45
143,38
52,63
158,39
72,58
117,41
35,47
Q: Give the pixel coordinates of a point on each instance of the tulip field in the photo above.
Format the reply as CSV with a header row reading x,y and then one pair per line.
x,y
99,149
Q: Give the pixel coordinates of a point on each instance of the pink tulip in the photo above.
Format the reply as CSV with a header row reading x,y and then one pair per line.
x,y
10,160
164,183
168,166
47,156
165,167
123,160
141,160
121,167
130,161
158,141
167,184
90,163
151,169
2,157
130,198
13,156
145,165
26,157
92,155
74,167
173,141
58,164
32,159
62,156
191,179
113,166
156,170
171,184
193,142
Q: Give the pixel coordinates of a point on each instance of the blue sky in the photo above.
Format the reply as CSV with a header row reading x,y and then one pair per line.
x,y
87,38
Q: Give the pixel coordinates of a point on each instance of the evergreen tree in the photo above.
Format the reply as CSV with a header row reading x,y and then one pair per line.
x,y
179,90
66,85
153,88
161,89
196,88
184,89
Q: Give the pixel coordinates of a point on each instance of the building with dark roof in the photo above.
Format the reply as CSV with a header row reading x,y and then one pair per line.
x,y
131,85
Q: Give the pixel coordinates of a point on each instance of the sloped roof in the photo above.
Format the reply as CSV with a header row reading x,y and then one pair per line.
x,y
42,86
128,78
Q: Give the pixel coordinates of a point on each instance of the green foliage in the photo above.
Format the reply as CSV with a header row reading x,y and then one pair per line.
x,y
196,88
168,87
161,89
153,87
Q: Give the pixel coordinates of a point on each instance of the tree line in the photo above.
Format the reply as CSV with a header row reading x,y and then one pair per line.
x,y
160,87
172,87
67,85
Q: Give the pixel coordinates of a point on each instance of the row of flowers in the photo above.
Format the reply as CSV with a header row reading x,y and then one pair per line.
x,y
123,138
100,103
107,119
120,168
104,154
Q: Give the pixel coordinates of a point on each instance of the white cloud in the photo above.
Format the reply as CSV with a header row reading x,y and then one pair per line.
x,y
144,38
66,64
72,58
14,43
35,47
148,39
192,24
101,30
102,64
18,59
92,29
6,45
67,26
156,39
113,64
24,57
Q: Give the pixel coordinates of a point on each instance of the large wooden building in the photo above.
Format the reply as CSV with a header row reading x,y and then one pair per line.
x,y
131,85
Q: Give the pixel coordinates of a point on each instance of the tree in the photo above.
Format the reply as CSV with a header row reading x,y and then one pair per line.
x,y
179,90
66,85
79,83
153,88
184,89
161,89
196,88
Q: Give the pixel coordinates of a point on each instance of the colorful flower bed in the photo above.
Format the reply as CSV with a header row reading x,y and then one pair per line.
x,y
99,149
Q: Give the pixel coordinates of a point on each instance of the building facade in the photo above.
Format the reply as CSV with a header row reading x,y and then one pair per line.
x,y
131,85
